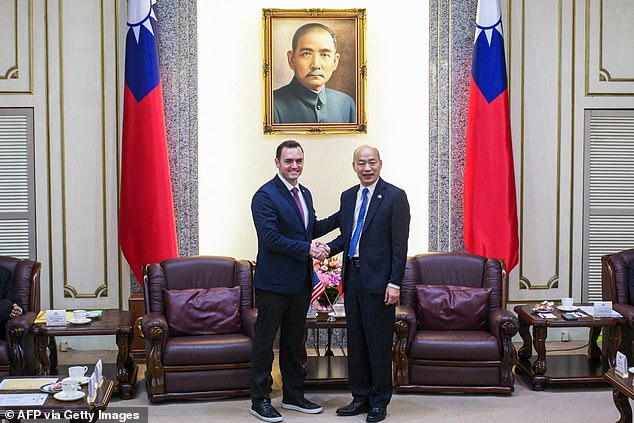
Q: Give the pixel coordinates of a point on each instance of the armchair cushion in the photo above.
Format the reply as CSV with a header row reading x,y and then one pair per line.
x,y
211,311
452,307
460,345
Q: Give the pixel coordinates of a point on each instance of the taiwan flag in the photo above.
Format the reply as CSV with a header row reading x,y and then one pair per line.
x,y
147,233
490,210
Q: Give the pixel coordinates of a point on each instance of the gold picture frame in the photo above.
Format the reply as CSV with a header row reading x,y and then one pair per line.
x,y
289,107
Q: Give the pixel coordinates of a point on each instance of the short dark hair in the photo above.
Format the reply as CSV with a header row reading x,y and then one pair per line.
x,y
287,144
308,27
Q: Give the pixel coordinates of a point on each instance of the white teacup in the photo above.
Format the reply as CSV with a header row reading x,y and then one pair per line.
x,y
567,302
339,309
79,314
69,386
77,373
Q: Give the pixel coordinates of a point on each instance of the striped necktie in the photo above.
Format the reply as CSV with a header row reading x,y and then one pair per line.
x,y
298,202
357,229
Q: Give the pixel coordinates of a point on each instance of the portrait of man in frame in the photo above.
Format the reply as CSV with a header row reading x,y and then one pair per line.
x,y
314,71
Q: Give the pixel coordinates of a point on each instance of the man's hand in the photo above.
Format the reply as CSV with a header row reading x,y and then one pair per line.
x,y
15,311
324,247
319,250
392,295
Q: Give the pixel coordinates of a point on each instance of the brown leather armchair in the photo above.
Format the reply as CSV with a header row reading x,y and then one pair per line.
x,y
441,360
614,286
16,353
197,365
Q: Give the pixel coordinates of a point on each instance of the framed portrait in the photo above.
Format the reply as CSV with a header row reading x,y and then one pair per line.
x,y
314,71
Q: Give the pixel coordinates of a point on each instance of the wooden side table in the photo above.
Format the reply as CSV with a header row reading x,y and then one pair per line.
x,y
573,368
622,391
328,369
113,322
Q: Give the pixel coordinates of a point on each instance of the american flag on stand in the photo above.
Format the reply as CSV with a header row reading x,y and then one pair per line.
x,y
318,288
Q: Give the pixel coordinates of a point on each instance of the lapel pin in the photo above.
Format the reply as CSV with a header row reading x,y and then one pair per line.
x,y
379,196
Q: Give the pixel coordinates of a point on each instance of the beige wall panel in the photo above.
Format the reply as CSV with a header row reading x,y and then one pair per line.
x,y
86,211
16,54
541,62
609,52
41,128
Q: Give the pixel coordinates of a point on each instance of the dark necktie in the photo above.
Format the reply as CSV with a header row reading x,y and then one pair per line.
x,y
360,219
298,202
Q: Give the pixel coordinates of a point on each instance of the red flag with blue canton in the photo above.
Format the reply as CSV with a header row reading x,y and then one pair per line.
x,y
147,232
490,209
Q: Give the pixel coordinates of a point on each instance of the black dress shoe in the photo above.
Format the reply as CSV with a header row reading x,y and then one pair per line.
x,y
376,414
263,410
353,409
302,405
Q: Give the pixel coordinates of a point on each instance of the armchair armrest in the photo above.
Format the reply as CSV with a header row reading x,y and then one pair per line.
x,y
21,323
156,331
404,328
503,324
408,314
155,328
248,321
16,330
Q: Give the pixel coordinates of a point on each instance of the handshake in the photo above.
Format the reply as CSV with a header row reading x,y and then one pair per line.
x,y
319,250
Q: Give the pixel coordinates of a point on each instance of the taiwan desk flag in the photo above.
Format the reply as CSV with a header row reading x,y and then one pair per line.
x,y
490,210
147,233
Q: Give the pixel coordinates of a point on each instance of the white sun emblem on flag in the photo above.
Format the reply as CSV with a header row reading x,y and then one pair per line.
x,y
139,13
488,19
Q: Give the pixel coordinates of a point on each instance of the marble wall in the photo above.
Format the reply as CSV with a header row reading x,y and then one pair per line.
x,y
451,40
179,72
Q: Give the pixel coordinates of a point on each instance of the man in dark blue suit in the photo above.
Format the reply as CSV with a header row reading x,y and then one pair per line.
x,y
286,225
374,228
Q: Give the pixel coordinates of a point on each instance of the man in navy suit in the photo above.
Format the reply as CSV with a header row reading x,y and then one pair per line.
x,y
286,225
374,228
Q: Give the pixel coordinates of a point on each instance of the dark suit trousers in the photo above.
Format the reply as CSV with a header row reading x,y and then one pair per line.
x,y
288,313
5,311
370,332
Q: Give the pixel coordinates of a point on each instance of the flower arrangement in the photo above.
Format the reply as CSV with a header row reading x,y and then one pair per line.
x,y
329,273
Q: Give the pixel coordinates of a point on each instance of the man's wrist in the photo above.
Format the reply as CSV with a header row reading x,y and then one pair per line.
x,y
391,285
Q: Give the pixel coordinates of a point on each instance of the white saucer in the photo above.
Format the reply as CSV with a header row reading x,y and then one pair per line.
x,y
567,308
73,397
84,380
80,321
51,388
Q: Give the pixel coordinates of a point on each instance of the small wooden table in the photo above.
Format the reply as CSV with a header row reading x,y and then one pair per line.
x,y
74,411
622,390
328,369
113,322
570,368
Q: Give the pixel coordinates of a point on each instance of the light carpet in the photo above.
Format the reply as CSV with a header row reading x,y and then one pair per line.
x,y
582,404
